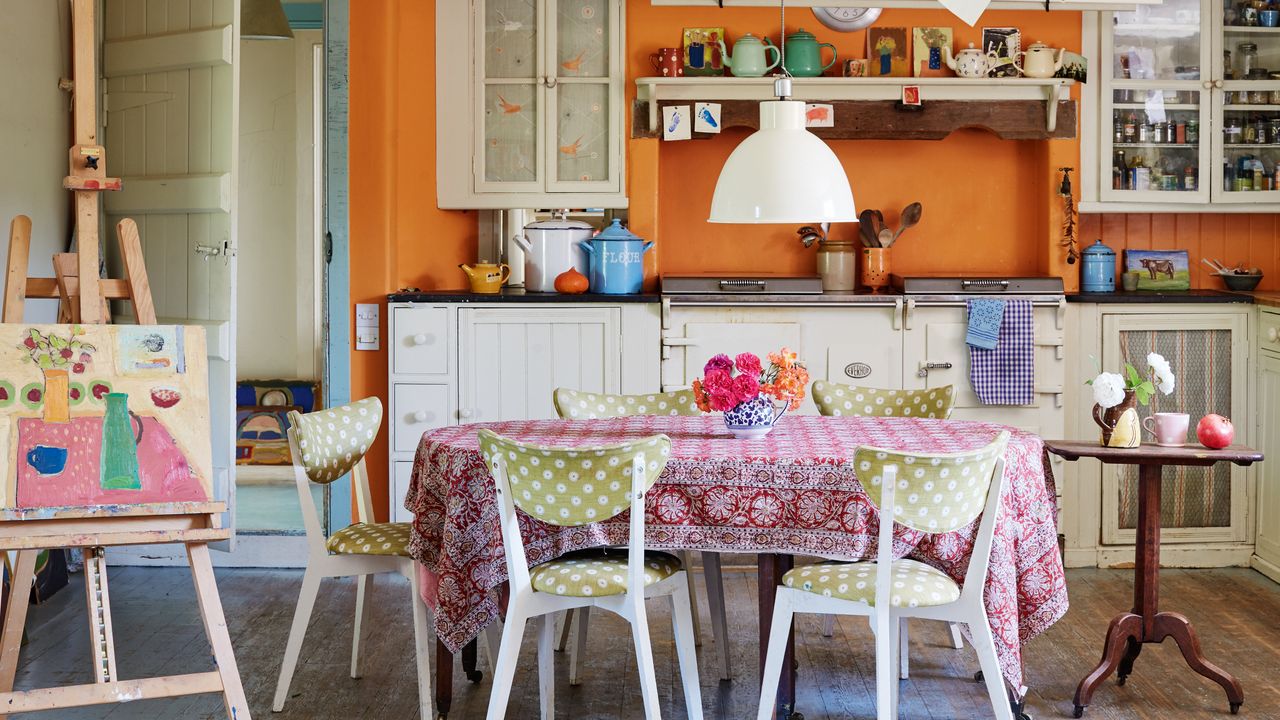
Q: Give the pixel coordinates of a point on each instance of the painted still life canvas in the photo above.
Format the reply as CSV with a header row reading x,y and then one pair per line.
x,y
1159,269
888,51
927,44
103,415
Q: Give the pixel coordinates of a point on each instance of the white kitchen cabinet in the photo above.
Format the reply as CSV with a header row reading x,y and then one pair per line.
x,y
1266,556
455,363
530,103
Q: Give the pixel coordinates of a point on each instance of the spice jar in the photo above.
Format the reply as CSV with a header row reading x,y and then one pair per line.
x,y
1249,133
1248,58
1274,98
1193,132
1273,135
1232,132
1257,97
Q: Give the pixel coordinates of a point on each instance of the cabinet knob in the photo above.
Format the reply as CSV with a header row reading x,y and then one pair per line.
x,y
1217,84
1273,334
1207,84
464,413
420,339
421,416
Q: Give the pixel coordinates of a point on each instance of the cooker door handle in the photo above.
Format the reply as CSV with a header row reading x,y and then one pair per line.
x,y
925,367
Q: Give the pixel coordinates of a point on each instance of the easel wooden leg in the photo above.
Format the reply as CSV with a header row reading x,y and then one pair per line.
x,y
15,616
99,603
215,626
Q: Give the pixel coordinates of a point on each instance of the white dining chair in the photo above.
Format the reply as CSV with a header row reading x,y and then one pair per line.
x,y
578,405
572,487
930,493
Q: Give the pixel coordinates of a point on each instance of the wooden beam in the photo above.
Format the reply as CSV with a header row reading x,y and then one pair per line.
x,y
887,120
180,194
15,289
176,51
112,692
135,272
84,43
47,289
88,252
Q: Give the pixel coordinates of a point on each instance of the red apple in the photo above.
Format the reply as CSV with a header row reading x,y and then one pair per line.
x,y
1215,432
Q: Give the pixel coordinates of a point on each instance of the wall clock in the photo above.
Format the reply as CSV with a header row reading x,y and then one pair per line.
x,y
846,19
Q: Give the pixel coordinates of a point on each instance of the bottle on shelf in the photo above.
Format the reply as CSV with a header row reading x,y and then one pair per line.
x,y
1131,128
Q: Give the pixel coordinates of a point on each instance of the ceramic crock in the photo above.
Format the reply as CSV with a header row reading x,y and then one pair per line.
x,y
753,418
550,248
617,260
748,59
1098,269
1120,426
804,54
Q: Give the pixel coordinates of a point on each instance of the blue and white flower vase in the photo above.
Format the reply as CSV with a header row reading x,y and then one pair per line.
x,y
753,418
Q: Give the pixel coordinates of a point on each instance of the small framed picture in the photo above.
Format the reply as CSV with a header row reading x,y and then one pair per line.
x,y
702,55
910,94
819,115
888,51
854,67
706,117
1007,43
676,124
927,45
1159,269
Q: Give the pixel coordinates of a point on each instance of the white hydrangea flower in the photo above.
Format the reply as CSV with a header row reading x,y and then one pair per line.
x,y
1108,389
1162,371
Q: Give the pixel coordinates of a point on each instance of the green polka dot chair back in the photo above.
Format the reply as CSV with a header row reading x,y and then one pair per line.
x,y
936,492
573,486
837,399
577,405
333,441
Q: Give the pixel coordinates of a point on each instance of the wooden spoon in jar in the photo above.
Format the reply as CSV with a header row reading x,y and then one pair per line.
x,y
910,216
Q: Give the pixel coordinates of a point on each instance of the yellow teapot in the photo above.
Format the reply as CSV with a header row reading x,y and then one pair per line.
x,y
486,278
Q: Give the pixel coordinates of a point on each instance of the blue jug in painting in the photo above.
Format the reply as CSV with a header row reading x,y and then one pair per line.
x,y
1098,269
120,445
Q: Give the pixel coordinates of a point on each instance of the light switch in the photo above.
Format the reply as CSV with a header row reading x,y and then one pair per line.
x,y
368,335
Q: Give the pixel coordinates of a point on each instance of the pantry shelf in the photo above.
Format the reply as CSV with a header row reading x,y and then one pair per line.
x,y
998,104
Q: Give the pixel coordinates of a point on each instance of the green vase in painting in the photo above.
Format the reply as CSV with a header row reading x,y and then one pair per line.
x,y
120,445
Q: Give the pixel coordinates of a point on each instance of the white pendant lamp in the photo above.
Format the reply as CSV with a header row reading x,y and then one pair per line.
x,y
263,20
782,173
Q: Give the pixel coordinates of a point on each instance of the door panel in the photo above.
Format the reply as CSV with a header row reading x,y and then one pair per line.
x,y
706,340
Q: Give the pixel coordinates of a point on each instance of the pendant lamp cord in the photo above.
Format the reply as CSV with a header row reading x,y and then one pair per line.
x,y
782,84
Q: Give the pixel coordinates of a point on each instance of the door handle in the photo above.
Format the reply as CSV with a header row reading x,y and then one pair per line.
x,y
925,367
208,251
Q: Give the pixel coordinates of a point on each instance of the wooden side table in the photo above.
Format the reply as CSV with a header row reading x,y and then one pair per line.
x,y
1145,623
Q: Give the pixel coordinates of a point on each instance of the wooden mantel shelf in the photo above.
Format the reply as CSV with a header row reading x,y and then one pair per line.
x,y
970,102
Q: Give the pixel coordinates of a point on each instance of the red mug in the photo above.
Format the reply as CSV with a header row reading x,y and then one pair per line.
x,y
668,62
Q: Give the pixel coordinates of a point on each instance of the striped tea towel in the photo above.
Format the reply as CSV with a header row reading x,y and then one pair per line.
x,y
1006,374
984,323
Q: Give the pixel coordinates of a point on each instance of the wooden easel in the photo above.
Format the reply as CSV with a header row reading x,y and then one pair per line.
x,y
83,297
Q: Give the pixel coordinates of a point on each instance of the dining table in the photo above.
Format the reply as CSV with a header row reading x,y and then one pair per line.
x,y
792,492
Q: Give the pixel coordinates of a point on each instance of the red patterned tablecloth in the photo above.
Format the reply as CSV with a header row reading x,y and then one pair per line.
x,y
793,491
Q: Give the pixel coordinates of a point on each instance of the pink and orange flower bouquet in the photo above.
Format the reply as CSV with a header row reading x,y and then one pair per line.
x,y
745,391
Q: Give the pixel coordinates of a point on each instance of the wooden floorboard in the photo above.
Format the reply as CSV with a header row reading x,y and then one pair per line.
x,y
158,631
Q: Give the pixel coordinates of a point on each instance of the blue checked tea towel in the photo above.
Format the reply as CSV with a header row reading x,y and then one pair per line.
x,y
984,323
1005,375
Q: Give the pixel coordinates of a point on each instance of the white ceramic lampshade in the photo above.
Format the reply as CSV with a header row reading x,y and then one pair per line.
x,y
782,173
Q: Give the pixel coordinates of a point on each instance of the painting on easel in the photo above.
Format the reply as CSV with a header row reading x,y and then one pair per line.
x,y
103,415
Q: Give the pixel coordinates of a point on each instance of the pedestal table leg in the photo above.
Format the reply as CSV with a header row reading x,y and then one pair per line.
x,y
771,569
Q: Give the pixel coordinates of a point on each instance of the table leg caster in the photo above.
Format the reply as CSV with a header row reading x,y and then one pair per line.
x,y
475,676
978,677
1120,679
1079,713
1235,708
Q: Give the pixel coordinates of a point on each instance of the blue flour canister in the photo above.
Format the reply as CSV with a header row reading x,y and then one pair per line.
x,y
617,260
1098,269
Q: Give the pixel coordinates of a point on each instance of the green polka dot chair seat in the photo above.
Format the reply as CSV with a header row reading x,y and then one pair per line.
x,y
914,583
598,572
837,399
575,405
333,441
573,486
935,493
389,538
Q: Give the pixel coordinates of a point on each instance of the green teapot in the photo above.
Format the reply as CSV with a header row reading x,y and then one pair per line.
x,y
749,56
803,56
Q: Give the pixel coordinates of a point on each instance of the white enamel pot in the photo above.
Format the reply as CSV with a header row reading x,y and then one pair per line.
x,y
550,248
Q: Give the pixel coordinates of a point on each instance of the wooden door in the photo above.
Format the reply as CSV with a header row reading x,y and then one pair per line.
x,y
511,359
1268,473
171,76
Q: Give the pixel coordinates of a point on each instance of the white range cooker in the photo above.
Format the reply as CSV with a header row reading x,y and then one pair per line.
x,y
912,337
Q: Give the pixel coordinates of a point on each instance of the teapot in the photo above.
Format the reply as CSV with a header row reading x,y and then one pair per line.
x,y
804,54
971,62
486,278
1038,61
749,56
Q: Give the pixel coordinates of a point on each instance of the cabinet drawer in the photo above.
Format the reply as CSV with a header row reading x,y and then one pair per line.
x,y
421,343
1269,331
399,487
418,408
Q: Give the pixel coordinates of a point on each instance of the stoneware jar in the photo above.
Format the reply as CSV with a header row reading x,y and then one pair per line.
x,y
836,261
875,268
1120,426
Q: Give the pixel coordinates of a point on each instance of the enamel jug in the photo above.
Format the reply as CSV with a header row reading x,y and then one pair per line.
x,y
971,62
617,260
486,278
1098,269
804,54
1038,61
748,58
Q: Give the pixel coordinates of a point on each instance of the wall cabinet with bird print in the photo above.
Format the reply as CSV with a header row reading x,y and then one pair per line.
x,y
530,102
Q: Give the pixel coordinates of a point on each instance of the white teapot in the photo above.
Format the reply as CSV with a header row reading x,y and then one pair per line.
x,y
971,62
1038,61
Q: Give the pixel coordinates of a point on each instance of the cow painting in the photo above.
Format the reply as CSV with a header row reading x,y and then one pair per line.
x,y
1158,267
1163,270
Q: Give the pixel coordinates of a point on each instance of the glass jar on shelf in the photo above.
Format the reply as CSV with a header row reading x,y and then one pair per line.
x,y
1233,133
1248,55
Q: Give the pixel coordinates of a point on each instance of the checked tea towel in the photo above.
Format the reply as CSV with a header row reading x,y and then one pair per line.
x,y
1006,374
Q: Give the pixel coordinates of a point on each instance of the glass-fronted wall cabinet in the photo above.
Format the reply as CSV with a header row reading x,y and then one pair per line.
x,y
1185,113
530,103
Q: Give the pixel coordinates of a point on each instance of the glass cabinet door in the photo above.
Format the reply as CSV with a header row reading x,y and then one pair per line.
x,y
1248,162
583,126
1156,113
511,92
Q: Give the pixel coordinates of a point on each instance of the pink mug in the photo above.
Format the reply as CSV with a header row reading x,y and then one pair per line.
x,y
1170,429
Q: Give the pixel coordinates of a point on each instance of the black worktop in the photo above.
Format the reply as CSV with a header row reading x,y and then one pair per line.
x,y
515,295
1160,296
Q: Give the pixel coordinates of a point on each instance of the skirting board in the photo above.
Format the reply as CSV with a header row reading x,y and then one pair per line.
x,y
1266,567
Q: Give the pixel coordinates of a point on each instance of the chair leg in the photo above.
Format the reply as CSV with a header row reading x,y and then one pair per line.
x,y
298,631
779,631
363,582
580,645
686,559
565,621
687,652
547,665
957,640
493,642
644,657
899,645
886,673
984,644
715,603
828,625
904,641
505,671
422,646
